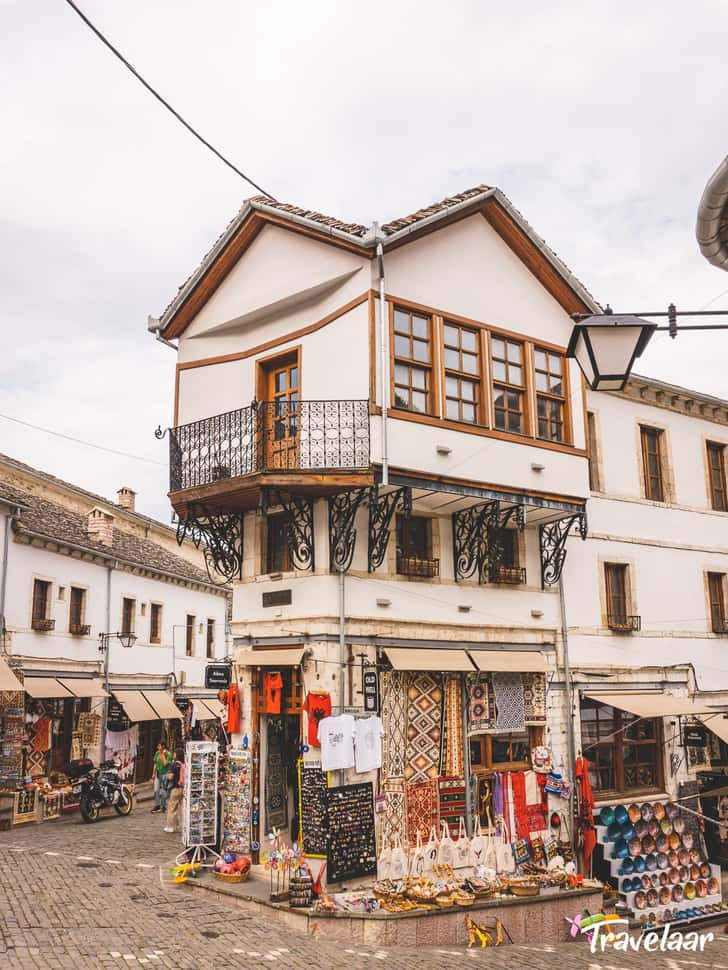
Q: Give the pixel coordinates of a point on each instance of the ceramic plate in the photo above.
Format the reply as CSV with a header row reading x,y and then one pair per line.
x,y
704,870
671,810
647,811
674,841
606,816
620,814
659,810
640,900
677,894
666,826
662,861
633,812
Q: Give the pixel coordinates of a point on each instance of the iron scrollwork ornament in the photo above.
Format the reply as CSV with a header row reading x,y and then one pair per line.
x,y
220,536
470,534
553,538
381,511
342,533
299,510
514,514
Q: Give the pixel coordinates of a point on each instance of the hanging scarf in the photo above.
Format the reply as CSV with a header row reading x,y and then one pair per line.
x,y
518,781
585,820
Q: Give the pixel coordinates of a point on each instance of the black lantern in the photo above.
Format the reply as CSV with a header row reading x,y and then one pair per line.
x,y
606,345
127,639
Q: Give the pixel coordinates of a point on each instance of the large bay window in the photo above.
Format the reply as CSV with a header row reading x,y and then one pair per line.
x,y
550,394
508,384
412,361
623,750
462,373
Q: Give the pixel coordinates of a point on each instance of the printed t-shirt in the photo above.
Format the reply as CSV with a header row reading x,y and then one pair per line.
x,y
368,744
272,690
336,736
317,707
233,710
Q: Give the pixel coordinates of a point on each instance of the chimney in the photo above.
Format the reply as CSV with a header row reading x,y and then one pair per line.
x,y
126,498
101,526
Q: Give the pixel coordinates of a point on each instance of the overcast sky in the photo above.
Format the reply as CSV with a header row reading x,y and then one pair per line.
x,y
601,121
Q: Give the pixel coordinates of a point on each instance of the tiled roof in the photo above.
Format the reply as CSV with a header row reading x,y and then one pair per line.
x,y
389,228
54,521
352,228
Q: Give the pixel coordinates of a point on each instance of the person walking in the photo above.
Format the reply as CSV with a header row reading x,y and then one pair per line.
x,y
162,760
175,785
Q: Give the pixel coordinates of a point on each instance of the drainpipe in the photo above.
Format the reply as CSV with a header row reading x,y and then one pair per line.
x,y
570,741
384,362
9,518
342,651
107,624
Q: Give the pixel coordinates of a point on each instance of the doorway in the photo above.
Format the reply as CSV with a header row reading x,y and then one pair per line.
x,y
279,385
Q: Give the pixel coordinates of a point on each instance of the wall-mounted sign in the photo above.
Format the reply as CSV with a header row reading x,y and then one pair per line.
x,y
182,703
278,597
116,713
695,736
370,680
217,676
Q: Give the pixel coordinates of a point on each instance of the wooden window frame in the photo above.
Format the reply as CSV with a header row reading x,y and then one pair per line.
x,y
717,602
430,368
128,627
80,618
264,365
210,639
277,526
715,453
190,634
617,572
460,375
618,743
155,620
551,396
508,387
646,432
44,587
535,738
592,452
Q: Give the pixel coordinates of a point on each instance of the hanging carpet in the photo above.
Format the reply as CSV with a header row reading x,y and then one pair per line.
x,y
534,696
423,809
452,800
424,720
509,702
453,756
393,685
392,821
481,713
276,789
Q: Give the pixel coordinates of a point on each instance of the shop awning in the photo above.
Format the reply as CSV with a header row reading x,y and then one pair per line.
x,y
288,657
718,724
652,704
509,661
136,707
410,658
208,709
8,680
83,687
41,687
162,703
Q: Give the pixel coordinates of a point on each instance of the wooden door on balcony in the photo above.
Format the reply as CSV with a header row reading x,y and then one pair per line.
x,y
281,417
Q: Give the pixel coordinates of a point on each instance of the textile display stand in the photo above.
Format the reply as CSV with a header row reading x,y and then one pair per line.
x,y
200,803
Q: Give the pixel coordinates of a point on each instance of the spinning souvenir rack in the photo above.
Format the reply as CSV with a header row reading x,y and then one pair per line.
x,y
200,801
655,857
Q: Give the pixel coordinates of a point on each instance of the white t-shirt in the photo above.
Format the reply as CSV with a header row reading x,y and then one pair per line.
x,y
336,736
368,744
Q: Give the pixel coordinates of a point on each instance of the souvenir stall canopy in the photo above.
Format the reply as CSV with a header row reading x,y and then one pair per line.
x,y
44,724
137,720
651,703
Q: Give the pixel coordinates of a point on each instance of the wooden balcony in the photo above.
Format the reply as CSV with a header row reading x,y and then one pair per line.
x,y
308,445
620,623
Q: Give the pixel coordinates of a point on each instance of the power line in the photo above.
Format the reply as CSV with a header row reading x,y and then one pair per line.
x,y
166,104
80,441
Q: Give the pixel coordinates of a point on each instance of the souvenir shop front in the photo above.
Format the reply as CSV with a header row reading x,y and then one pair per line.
x,y
45,722
437,791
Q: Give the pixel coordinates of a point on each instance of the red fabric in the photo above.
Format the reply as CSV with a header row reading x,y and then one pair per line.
x,y
233,709
520,810
586,810
272,691
317,707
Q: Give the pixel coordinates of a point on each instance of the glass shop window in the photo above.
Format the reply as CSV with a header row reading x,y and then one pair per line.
x,y
623,751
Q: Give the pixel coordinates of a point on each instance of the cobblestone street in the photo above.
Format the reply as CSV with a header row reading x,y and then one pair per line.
x,y
89,896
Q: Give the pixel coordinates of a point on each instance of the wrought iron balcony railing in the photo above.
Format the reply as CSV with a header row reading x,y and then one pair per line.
x,y
270,436
413,566
79,629
42,625
620,623
513,575
720,624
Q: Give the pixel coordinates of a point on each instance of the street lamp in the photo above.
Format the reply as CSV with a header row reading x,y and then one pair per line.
x,y
127,640
606,345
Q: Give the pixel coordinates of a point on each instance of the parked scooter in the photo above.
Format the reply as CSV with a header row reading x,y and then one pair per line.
x,y
99,787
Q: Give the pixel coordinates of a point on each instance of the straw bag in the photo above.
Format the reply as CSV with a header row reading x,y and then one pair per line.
x,y
446,850
461,848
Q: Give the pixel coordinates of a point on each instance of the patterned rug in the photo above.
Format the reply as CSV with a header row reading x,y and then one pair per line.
x,y
423,809
453,755
276,789
394,723
534,697
482,704
509,702
424,727
452,802
393,820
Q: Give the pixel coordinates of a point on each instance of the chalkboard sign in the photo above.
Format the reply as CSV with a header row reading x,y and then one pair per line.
x,y
218,676
312,809
371,691
352,850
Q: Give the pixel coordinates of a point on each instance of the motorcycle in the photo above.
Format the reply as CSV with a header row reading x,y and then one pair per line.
x,y
99,787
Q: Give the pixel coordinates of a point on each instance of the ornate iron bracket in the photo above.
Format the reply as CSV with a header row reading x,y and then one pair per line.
x,y
515,514
342,534
220,535
300,535
552,539
470,538
381,511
